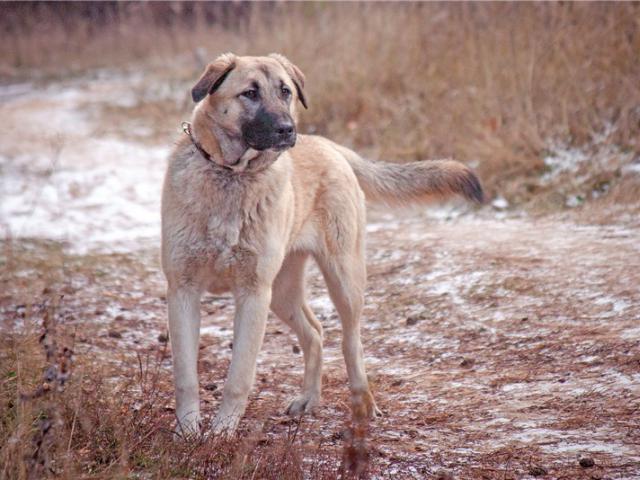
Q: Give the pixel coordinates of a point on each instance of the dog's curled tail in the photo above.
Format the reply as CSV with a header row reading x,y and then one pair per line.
x,y
414,182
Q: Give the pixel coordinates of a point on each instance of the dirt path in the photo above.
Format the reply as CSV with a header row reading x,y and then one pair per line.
x,y
495,346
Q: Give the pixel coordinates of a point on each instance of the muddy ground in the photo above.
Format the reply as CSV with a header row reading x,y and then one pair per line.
x,y
499,345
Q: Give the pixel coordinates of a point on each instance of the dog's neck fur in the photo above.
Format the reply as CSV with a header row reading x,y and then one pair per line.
x,y
226,150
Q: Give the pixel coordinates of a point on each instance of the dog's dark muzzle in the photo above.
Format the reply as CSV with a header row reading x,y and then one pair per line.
x,y
269,130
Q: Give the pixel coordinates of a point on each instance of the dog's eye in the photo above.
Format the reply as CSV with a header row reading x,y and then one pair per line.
x,y
251,94
286,93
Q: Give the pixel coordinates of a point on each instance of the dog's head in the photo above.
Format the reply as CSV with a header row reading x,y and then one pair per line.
x,y
252,99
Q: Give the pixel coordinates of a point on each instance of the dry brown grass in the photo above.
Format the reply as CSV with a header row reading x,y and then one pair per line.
x,y
68,422
65,415
490,84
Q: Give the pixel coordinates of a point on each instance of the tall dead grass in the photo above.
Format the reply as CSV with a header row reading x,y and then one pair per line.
x,y
490,84
65,417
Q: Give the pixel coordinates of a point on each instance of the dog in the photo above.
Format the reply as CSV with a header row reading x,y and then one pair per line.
x,y
246,202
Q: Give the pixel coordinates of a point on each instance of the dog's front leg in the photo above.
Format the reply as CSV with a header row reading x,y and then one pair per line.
x,y
184,332
248,332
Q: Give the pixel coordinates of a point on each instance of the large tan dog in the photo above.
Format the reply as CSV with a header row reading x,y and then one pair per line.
x,y
246,202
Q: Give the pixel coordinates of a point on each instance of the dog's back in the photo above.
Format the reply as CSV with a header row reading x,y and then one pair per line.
x,y
393,183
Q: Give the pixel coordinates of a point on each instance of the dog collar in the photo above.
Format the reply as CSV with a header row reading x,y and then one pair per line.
x,y
186,128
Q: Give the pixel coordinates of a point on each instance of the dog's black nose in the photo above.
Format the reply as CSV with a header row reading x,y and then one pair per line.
x,y
285,128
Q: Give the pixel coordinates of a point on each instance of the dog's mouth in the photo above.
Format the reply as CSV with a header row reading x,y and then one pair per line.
x,y
277,147
253,151
282,146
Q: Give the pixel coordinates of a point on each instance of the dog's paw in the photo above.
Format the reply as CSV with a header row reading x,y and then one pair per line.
x,y
364,406
225,425
302,404
188,428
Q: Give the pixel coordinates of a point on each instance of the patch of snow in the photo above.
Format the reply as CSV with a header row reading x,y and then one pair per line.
x,y
380,226
445,279
95,193
630,334
631,168
612,448
217,331
321,304
447,211
563,160
616,305
529,435
573,201
500,203
15,89
110,205
623,380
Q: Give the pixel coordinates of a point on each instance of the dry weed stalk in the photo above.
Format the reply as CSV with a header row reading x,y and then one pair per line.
x,y
38,445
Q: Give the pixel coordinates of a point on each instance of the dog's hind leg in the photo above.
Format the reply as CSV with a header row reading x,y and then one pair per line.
x,y
288,303
184,332
345,275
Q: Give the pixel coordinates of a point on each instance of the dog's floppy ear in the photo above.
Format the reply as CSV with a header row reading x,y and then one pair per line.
x,y
213,76
296,75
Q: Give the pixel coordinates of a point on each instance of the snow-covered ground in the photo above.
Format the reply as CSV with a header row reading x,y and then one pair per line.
x,y
62,178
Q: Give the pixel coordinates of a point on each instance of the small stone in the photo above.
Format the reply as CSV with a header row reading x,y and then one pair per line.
x,y
114,334
163,338
466,362
119,318
586,462
296,349
538,471
413,319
